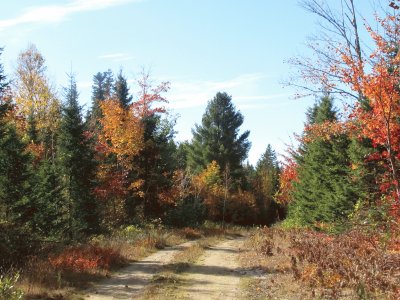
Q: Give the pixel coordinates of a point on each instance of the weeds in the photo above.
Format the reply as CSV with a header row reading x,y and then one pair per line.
x,y
8,289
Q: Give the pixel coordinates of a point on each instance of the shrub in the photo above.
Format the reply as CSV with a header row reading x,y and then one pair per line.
x,y
86,258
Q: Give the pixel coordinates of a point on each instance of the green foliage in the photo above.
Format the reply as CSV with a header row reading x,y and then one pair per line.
x,y
364,172
324,191
266,185
101,89
218,138
156,162
121,90
14,173
189,212
50,216
76,164
8,290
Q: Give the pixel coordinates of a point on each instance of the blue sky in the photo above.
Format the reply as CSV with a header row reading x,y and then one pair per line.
x,y
200,46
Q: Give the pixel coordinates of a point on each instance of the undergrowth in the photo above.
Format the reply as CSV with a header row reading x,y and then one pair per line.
x,y
310,264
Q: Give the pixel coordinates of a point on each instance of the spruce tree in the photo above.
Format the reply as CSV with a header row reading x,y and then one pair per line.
x,y
218,138
102,89
121,90
266,185
15,205
75,159
50,218
156,162
324,191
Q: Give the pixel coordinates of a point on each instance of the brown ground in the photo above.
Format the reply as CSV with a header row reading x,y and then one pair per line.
x,y
129,282
216,275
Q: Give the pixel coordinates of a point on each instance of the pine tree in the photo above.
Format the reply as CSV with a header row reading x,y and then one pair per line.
x,y
217,138
323,192
121,90
75,159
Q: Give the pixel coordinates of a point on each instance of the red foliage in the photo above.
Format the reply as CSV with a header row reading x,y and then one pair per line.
x,y
149,95
377,78
85,258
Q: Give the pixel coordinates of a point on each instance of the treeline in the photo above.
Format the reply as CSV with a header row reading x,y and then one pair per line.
x,y
65,176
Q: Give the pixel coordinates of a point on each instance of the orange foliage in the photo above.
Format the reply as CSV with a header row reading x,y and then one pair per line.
x,y
208,185
327,130
122,132
287,178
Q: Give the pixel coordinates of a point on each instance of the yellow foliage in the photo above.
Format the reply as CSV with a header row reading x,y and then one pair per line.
x,y
122,131
34,94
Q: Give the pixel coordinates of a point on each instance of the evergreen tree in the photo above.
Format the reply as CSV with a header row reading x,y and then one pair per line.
x,y
101,89
156,162
15,206
121,90
324,191
75,159
14,173
3,83
267,185
50,215
217,138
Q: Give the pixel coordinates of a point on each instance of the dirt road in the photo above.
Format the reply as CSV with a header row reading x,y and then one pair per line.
x,y
130,281
214,276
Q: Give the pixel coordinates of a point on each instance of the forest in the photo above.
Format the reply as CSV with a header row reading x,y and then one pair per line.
x,y
81,188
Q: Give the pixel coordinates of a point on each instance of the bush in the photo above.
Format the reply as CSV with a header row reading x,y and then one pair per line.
x,y
8,290
86,258
188,213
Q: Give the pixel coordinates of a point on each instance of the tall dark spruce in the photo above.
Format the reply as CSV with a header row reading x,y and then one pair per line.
x,y
324,191
76,163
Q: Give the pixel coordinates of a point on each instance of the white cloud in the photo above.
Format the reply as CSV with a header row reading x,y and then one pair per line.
x,y
58,13
243,89
117,57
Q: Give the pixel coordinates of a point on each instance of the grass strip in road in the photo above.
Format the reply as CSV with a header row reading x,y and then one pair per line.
x,y
165,285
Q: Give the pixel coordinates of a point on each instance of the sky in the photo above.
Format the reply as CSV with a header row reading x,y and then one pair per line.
x,y
199,46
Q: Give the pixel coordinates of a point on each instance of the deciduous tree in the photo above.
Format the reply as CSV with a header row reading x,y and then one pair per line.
x,y
35,97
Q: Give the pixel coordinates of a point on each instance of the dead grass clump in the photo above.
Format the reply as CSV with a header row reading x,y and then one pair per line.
x,y
191,233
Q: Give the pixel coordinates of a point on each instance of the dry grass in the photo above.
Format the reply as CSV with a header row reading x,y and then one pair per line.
x,y
303,264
